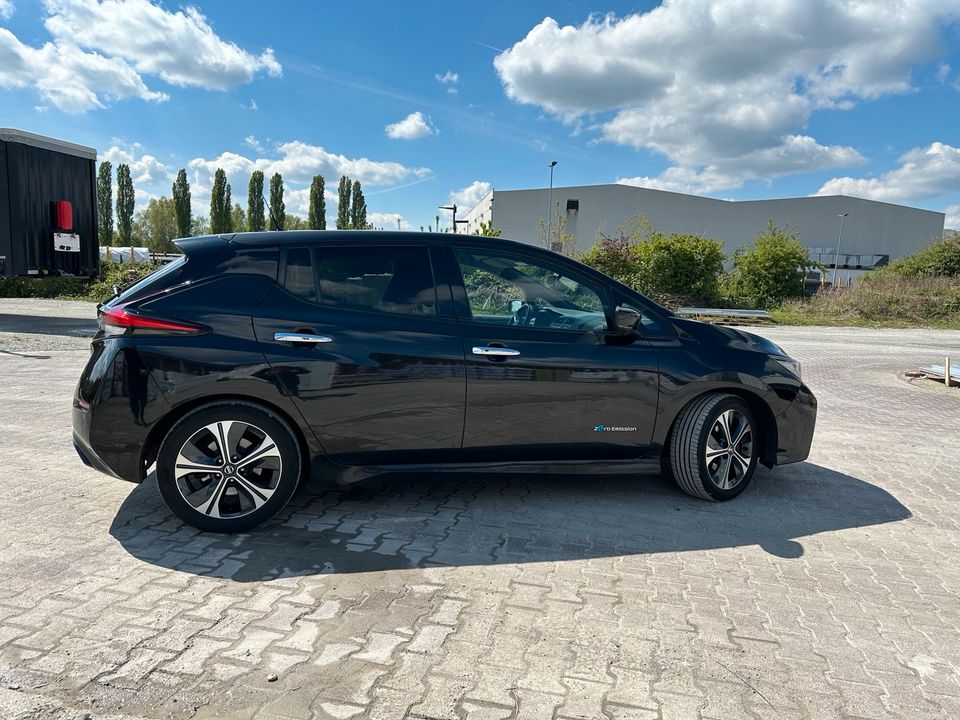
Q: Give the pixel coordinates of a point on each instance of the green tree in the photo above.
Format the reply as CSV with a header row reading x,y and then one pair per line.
x,y
238,219
486,229
295,222
277,206
181,201
771,270
317,217
358,208
343,203
157,225
255,219
219,207
199,226
227,211
125,204
105,204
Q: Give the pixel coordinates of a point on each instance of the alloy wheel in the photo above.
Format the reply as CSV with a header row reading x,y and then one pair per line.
x,y
729,449
228,469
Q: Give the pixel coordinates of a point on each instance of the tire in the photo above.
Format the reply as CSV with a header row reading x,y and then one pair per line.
x,y
228,493
698,453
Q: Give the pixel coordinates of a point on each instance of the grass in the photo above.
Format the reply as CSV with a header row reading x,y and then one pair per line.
x,y
881,300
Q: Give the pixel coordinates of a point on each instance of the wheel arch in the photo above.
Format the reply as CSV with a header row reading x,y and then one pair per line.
x,y
758,407
158,432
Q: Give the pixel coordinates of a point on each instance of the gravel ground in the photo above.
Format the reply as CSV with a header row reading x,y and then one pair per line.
x,y
31,325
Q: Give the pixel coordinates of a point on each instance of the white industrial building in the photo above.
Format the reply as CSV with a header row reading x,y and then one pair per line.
x,y
873,232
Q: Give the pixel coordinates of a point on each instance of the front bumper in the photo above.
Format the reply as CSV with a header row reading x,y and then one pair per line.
x,y
795,428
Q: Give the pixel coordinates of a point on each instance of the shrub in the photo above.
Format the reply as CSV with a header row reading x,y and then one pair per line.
x,y
120,274
47,287
770,271
673,269
941,257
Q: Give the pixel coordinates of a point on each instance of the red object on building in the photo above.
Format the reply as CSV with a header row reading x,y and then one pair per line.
x,y
63,214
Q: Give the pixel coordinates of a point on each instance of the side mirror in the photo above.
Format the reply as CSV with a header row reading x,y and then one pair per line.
x,y
627,318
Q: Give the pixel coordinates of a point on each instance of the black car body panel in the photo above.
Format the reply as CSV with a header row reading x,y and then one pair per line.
x,y
405,390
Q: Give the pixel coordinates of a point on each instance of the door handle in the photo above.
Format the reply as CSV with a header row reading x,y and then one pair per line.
x,y
301,338
490,351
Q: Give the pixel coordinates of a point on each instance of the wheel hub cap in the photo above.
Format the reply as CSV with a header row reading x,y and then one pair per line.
x,y
729,449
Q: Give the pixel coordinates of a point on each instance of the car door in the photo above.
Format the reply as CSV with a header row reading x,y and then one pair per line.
x,y
547,376
368,350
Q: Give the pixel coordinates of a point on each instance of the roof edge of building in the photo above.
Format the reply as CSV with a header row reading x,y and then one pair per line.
x,y
47,143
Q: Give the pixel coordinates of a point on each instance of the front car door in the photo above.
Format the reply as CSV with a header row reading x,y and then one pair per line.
x,y
384,381
548,376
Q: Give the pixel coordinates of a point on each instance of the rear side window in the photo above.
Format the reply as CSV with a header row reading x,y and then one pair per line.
x,y
153,279
371,278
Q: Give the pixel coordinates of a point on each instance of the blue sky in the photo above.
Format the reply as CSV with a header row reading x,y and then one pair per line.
x,y
427,102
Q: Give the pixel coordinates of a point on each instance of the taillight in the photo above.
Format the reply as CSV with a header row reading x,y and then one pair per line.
x,y
117,321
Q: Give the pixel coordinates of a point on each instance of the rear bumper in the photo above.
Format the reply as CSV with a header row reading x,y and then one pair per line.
x,y
795,428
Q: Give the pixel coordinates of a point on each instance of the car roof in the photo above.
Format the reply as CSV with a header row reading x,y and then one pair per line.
x,y
293,237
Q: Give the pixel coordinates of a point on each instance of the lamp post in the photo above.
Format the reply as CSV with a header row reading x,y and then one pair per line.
x,y
836,258
553,164
453,209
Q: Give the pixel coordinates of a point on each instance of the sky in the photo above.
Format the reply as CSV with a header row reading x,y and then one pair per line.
x,y
429,103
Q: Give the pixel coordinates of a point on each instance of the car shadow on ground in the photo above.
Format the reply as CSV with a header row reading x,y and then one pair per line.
x,y
48,325
405,521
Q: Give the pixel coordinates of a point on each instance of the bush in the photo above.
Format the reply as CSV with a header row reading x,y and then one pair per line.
x,y
881,299
46,287
770,271
672,269
940,258
120,274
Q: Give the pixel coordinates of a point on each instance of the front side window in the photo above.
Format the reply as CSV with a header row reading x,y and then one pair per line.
x,y
503,289
372,278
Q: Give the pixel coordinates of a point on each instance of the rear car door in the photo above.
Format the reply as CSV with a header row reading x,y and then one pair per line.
x,y
384,381
547,377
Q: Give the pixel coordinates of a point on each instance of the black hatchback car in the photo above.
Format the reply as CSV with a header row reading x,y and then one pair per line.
x,y
258,360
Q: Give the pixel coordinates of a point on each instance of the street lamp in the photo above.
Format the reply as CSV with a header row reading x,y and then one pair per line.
x,y
553,164
836,258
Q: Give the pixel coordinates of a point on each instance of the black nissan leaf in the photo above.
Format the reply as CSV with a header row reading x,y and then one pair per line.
x,y
259,360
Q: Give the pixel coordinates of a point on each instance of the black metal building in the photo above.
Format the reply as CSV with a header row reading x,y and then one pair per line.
x,y
48,206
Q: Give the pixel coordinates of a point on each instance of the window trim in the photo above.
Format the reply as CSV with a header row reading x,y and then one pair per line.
x,y
462,302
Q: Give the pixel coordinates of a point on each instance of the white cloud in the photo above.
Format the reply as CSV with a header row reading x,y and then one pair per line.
x,y
725,89
448,78
101,52
923,173
943,72
388,221
144,169
298,162
465,198
6,9
251,142
413,126
953,217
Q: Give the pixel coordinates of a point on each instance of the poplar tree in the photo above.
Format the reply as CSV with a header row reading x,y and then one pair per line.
x,y
343,203
277,207
181,201
105,204
358,208
219,210
317,216
125,202
255,220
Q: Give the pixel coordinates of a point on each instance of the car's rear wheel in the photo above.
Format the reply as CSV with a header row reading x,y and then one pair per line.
x,y
228,466
713,447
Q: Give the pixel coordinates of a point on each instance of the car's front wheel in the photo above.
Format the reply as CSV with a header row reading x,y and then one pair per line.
x,y
228,466
713,447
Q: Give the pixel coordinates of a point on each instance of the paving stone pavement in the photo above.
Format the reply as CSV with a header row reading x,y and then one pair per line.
x,y
829,589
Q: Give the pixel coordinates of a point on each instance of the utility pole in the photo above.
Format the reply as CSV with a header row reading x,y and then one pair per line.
x,y
553,164
836,258
452,208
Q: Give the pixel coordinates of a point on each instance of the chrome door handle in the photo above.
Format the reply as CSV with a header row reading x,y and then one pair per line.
x,y
302,338
490,351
